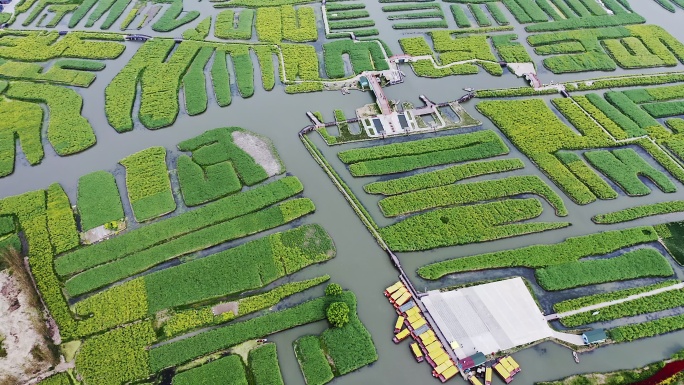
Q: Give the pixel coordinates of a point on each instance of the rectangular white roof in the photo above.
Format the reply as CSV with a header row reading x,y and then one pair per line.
x,y
488,318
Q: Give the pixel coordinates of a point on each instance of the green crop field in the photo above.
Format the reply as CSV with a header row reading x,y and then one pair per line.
x,y
150,231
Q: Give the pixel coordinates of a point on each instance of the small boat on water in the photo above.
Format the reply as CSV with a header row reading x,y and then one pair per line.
x,y
575,356
262,340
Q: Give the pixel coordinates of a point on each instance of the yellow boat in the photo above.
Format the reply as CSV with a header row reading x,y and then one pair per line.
x,y
433,346
394,288
444,358
401,336
417,352
503,372
403,299
488,376
398,293
474,380
399,324
428,340
506,365
412,311
513,364
443,367
418,323
449,373
414,317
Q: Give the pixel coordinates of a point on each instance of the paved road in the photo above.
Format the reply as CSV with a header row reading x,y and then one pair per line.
x,y
617,301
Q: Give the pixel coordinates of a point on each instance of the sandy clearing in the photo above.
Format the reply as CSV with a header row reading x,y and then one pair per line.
x,y
17,325
260,150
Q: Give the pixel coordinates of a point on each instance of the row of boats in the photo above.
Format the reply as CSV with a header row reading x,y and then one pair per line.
x,y
411,322
506,367
426,345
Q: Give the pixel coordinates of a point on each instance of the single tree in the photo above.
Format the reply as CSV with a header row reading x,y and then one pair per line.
x,y
333,289
338,314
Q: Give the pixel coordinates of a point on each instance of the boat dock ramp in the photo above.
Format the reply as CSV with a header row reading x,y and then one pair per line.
x,y
411,321
428,344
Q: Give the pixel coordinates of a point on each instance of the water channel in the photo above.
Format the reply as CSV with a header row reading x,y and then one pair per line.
x,y
360,264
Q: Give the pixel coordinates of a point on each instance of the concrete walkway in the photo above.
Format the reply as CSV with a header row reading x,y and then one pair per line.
x,y
617,301
574,339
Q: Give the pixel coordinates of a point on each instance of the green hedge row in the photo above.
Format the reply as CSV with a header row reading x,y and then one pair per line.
x,y
587,175
148,184
657,302
225,370
364,56
312,360
624,167
625,125
351,346
249,266
647,329
170,21
442,177
630,109
194,83
240,227
301,63
273,24
459,15
57,379
98,200
225,26
217,146
417,147
466,224
64,71
60,220
200,185
510,51
23,122
264,366
29,210
246,267
459,194
400,164
587,22
178,352
97,365
182,321
538,256
632,213
578,303
68,131
539,134
634,264
159,232
159,97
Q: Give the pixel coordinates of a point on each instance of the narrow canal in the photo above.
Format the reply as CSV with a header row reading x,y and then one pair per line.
x,y
361,265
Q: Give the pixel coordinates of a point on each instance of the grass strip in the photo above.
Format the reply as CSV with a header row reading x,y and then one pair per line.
x,y
156,233
537,256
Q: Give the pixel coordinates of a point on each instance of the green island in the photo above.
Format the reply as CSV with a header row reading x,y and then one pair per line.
x,y
218,192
